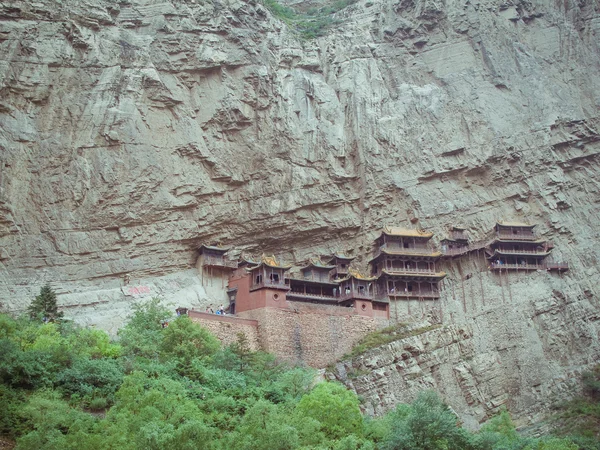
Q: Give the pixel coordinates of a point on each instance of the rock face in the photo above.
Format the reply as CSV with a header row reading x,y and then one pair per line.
x,y
132,131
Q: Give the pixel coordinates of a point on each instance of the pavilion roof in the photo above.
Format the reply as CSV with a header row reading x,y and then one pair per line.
x,y
271,261
352,273
405,232
316,262
514,224
341,256
214,248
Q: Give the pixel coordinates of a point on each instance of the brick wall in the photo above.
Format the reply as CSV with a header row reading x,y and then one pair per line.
x,y
311,334
226,328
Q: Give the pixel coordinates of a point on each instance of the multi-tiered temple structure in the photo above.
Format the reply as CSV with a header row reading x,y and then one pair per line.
x,y
517,247
259,286
314,284
267,284
456,244
405,265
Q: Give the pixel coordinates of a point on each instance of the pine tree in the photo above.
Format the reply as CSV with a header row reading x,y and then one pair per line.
x,y
44,305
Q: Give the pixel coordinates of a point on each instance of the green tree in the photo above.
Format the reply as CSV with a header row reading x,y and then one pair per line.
x,y
335,408
142,336
264,427
185,340
44,305
427,424
91,378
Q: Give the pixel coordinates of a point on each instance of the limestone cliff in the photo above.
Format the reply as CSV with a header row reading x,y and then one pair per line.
x,y
132,131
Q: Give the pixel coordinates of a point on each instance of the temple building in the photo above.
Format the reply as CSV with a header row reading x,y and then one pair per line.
x,y
259,286
212,256
341,265
456,244
315,284
405,265
214,269
358,291
517,247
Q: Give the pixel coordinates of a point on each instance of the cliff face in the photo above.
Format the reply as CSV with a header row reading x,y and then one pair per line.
x,y
131,132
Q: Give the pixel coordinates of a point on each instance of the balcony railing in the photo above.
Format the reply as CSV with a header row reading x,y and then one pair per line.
x,y
339,271
413,294
517,237
497,266
405,271
459,235
523,252
270,284
306,295
456,250
355,294
425,249
215,261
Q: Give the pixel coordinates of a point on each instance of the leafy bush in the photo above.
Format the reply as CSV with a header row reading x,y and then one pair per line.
x,y
185,340
142,336
426,425
91,378
335,408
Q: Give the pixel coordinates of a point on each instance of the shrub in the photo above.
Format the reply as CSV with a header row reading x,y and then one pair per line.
x,y
91,378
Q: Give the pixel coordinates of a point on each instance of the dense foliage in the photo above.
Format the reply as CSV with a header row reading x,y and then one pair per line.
x,y
63,387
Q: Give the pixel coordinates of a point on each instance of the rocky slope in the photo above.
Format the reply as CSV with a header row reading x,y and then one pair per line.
x,y
132,131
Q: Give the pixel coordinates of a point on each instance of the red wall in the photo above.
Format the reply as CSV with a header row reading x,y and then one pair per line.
x,y
261,298
363,308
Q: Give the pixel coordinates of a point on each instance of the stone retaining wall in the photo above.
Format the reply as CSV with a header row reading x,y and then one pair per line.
x,y
226,328
315,335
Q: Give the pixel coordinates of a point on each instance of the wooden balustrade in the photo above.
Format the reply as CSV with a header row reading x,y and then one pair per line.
x,y
216,261
270,284
517,237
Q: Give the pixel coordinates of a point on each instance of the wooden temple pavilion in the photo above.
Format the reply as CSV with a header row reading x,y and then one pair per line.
x,y
457,243
341,265
259,286
315,284
358,291
517,247
213,256
405,264
269,273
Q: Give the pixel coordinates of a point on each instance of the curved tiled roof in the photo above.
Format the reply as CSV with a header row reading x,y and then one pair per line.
x,y
316,262
514,224
215,248
270,261
353,273
398,231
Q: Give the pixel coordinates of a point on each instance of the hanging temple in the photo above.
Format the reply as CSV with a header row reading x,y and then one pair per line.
x,y
404,266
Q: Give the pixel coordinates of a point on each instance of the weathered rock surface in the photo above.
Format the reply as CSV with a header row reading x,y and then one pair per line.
x,y
132,131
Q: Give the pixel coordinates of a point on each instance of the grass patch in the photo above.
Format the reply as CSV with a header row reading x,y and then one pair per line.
x,y
312,23
385,336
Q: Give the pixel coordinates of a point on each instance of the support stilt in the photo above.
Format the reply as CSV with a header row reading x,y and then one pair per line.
x,y
501,287
508,285
462,284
